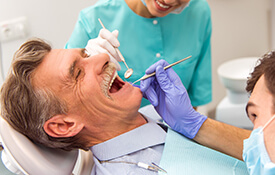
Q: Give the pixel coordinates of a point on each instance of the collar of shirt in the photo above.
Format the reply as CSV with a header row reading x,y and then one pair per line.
x,y
147,135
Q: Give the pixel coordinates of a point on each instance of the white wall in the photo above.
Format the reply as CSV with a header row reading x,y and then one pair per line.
x,y
241,28
273,23
52,20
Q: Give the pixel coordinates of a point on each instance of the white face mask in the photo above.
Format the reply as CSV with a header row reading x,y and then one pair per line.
x,y
180,9
143,1
177,10
255,155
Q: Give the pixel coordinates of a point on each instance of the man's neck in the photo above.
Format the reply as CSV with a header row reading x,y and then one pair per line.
x,y
139,8
107,133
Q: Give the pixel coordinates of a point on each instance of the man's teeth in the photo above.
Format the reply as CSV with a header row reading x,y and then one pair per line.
x,y
161,5
113,79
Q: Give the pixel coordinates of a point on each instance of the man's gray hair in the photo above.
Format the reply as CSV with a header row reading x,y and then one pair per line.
x,y
25,107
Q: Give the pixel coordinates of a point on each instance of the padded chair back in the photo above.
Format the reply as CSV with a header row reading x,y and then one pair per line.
x,y
21,156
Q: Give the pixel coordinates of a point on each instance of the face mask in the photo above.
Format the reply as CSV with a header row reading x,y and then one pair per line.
x,y
255,155
177,10
143,1
180,9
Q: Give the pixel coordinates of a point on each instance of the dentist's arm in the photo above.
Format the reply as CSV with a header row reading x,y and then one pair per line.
x,y
170,98
222,137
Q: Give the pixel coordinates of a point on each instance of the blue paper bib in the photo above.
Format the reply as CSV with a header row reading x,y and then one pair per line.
x,y
184,156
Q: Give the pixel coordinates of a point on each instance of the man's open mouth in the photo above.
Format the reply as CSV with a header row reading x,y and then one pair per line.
x,y
115,84
111,83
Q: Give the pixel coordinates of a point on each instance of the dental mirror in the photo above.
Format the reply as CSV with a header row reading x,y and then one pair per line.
x,y
128,73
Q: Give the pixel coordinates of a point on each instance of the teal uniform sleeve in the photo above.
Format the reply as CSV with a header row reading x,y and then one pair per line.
x,y
144,41
79,37
200,91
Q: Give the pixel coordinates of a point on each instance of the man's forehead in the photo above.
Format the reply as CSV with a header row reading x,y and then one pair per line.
x,y
50,61
260,93
53,66
63,57
259,86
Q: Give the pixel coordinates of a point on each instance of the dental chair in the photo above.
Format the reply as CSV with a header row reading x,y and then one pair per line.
x,y
21,156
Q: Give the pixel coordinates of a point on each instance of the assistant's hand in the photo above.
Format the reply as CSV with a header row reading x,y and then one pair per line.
x,y
169,97
106,42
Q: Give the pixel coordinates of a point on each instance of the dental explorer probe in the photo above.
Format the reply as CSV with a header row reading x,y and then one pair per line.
x,y
166,67
129,71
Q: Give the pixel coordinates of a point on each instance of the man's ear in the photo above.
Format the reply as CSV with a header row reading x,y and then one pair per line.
x,y
63,126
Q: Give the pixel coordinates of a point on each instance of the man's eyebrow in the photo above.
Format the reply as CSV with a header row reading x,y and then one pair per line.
x,y
72,67
249,104
83,51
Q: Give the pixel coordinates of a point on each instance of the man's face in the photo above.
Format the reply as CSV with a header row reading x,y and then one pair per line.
x,y
260,105
160,8
85,84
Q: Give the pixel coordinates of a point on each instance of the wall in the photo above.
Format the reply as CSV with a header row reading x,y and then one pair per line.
x,y
241,28
273,23
52,20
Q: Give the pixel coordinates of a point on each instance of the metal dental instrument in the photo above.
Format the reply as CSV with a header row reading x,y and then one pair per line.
x,y
166,67
129,71
152,167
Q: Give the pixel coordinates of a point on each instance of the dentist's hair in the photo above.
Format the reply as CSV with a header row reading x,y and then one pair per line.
x,y
25,107
266,67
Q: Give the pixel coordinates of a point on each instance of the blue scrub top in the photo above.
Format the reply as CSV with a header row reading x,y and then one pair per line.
x,y
144,41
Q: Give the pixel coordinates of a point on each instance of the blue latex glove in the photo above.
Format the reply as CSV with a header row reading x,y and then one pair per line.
x,y
169,97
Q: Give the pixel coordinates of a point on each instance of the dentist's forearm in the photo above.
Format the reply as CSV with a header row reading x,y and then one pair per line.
x,y
222,137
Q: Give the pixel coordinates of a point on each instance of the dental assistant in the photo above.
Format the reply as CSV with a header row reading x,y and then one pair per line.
x,y
169,96
151,30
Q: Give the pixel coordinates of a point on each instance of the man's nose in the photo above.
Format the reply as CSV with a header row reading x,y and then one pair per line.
x,y
98,61
102,57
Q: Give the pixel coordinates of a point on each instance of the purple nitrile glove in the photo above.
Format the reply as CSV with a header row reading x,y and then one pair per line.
x,y
169,97
136,85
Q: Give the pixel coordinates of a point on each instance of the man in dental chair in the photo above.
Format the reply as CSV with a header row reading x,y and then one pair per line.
x,y
66,99
63,98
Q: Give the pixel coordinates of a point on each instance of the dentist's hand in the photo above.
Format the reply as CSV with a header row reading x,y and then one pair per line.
x,y
170,98
106,42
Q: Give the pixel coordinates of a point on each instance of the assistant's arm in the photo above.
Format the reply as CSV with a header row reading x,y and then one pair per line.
x,y
105,42
170,99
200,88
80,35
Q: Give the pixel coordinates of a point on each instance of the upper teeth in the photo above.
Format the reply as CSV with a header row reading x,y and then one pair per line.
x,y
161,5
113,79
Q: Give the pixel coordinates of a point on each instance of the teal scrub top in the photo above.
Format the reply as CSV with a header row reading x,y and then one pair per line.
x,y
144,41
